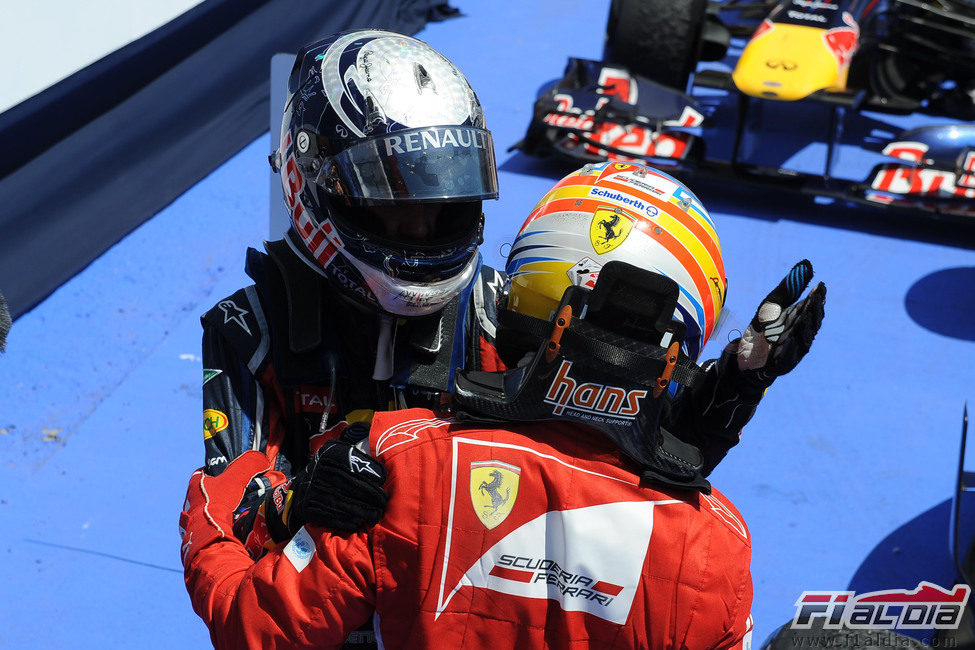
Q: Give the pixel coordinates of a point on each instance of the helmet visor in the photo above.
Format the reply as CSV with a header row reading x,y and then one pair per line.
x,y
435,163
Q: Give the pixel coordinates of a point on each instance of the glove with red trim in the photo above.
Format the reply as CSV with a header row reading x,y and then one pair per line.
x,y
208,513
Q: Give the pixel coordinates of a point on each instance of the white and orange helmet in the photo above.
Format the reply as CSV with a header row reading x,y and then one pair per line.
x,y
625,212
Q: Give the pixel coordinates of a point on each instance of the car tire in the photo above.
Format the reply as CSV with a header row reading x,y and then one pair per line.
x,y
893,75
656,39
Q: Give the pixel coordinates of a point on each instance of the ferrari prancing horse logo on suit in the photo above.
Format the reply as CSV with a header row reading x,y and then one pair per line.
x,y
494,488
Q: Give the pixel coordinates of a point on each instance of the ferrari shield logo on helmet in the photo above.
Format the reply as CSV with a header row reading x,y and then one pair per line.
x,y
608,229
494,488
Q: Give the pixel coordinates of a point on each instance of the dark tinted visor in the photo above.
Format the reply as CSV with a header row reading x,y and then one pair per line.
x,y
435,163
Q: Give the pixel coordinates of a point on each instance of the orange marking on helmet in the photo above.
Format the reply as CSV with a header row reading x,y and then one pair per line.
x,y
701,283
707,239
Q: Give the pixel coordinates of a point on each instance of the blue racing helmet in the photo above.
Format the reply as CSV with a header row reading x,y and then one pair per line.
x,y
384,160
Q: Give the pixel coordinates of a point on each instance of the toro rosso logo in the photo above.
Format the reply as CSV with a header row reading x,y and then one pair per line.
x,y
591,401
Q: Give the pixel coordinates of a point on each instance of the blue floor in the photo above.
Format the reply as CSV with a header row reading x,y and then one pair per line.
x,y
843,476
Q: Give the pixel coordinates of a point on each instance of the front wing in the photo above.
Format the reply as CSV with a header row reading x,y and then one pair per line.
x,y
599,112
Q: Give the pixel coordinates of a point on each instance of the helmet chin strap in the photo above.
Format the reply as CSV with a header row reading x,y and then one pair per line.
x,y
332,384
383,369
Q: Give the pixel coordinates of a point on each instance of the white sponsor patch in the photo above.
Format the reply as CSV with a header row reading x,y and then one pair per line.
x,y
300,549
568,556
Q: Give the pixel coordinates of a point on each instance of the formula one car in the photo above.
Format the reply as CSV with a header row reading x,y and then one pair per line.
x,y
891,81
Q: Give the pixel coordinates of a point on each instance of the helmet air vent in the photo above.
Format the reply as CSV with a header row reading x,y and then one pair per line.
x,y
423,80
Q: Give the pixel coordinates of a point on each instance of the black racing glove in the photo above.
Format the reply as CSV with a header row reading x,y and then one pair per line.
x,y
782,330
341,488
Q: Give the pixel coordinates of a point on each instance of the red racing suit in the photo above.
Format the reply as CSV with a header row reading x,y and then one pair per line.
x,y
538,535
280,352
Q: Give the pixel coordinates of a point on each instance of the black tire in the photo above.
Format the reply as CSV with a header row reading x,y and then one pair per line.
x,y
896,76
656,39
